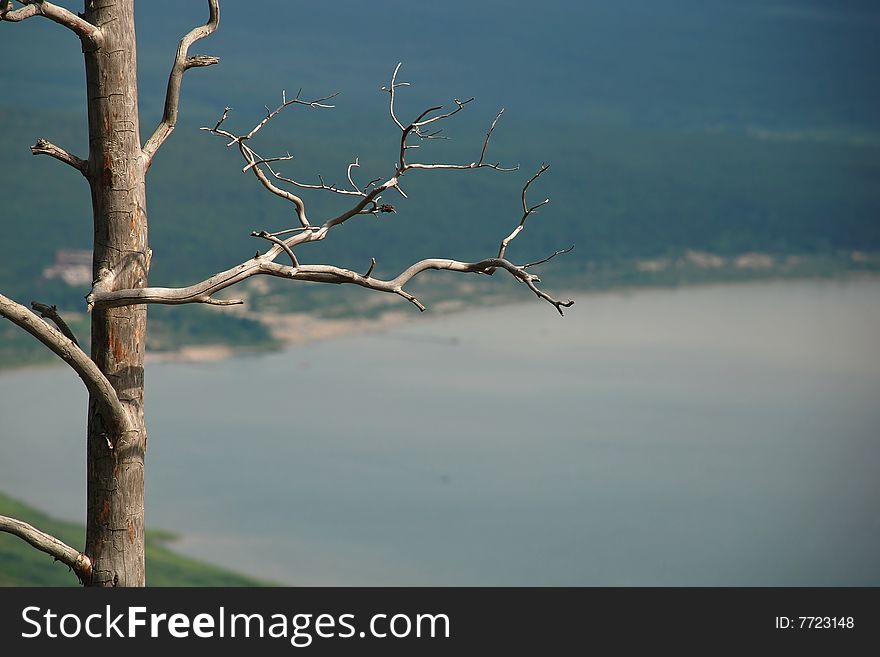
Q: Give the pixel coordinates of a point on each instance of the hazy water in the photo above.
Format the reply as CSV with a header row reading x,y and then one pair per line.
x,y
725,435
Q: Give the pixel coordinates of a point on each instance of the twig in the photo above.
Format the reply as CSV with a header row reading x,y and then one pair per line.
x,y
527,211
548,258
268,236
45,147
182,63
51,312
254,162
103,296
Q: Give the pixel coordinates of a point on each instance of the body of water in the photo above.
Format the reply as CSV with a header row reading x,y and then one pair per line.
x,y
719,435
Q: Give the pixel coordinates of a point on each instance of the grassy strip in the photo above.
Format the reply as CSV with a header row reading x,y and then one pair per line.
x,y
22,565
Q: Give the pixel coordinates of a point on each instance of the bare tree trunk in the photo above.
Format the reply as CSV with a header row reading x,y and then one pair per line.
x,y
116,169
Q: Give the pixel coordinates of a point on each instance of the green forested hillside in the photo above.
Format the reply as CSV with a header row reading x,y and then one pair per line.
x,y
712,126
622,193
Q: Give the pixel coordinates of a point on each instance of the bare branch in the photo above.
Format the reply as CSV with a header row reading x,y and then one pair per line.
x,y
254,161
354,191
267,236
263,265
220,121
223,302
390,89
477,164
200,61
422,121
353,165
81,27
321,184
102,296
251,158
297,100
527,211
369,200
471,165
489,136
51,312
72,558
267,160
97,384
44,147
182,63
287,231
548,258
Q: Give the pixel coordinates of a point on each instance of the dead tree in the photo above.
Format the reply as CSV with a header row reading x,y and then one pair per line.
x,y
115,170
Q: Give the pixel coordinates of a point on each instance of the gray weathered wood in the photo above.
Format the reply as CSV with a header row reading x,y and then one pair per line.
x,y
116,165
66,348
74,559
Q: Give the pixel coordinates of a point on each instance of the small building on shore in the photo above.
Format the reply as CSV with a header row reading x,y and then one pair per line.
x,y
73,266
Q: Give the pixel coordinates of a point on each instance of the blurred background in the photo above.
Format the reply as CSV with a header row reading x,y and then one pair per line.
x,y
705,415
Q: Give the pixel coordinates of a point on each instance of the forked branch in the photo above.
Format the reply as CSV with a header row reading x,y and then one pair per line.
x,y
368,202
51,312
263,264
182,63
417,128
255,162
72,558
203,292
528,211
81,27
70,352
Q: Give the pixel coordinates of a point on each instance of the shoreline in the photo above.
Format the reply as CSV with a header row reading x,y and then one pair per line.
x,y
298,328
289,329
293,329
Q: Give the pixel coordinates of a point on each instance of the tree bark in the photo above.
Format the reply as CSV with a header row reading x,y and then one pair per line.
x,y
116,171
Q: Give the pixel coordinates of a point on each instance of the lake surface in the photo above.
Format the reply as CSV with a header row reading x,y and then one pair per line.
x,y
720,435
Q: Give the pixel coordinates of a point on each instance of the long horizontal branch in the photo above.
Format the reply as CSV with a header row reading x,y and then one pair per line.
x,y
74,559
60,15
204,291
103,295
182,63
94,380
